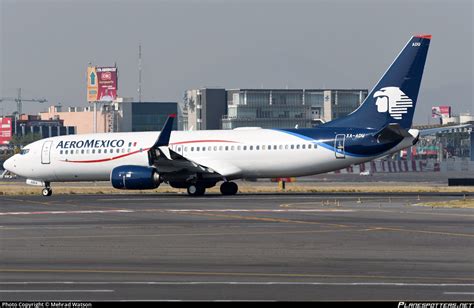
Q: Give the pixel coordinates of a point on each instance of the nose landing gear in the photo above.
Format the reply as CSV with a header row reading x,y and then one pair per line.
x,y
47,191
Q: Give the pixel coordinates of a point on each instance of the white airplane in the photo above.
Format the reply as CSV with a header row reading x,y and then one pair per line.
x,y
197,160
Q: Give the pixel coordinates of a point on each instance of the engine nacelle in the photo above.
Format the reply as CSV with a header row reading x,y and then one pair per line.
x,y
134,177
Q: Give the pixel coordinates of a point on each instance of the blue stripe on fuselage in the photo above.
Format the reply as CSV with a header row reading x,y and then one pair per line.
x,y
362,147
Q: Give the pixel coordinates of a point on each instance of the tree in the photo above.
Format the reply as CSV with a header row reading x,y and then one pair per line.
x,y
17,142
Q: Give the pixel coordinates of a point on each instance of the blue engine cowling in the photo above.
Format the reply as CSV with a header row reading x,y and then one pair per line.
x,y
134,177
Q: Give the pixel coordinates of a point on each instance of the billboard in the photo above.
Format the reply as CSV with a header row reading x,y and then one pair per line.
x,y
5,131
101,84
92,84
441,112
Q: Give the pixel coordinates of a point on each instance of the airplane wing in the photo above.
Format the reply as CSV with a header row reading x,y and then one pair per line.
x,y
433,131
171,163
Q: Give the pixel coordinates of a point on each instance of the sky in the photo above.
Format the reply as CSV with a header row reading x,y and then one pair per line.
x,y
46,47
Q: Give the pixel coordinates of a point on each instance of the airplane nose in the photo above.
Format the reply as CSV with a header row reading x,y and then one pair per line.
x,y
8,164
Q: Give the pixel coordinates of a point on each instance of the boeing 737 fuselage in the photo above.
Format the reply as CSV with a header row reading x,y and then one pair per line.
x,y
197,160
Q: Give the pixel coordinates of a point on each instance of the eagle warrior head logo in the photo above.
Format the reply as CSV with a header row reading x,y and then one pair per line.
x,y
393,100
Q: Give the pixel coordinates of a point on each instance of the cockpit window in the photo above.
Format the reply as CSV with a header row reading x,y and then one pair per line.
x,y
24,151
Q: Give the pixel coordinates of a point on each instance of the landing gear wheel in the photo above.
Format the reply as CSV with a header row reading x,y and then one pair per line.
x,y
196,190
229,188
46,192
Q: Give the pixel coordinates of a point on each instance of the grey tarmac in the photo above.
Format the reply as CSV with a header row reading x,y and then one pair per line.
x,y
133,247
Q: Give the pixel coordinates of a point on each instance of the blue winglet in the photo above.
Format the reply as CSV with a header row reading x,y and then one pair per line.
x,y
164,137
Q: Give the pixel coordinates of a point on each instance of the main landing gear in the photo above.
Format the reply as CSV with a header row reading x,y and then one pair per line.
x,y
198,189
47,191
229,188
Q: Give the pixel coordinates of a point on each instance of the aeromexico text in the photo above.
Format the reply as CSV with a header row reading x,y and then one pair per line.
x,y
117,143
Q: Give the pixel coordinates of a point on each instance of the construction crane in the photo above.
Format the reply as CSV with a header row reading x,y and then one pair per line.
x,y
19,101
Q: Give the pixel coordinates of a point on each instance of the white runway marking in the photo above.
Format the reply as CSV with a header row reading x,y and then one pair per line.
x,y
65,212
172,211
56,291
256,283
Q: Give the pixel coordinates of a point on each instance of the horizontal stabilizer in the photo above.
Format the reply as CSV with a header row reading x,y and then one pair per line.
x,y
392,132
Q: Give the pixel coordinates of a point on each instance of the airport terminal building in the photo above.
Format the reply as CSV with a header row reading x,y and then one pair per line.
x,y
266,108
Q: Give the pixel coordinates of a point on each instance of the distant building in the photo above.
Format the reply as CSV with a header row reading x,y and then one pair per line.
x,y
267,108
144,116
33,124
82,118
124,116
462,118
203,109
341,102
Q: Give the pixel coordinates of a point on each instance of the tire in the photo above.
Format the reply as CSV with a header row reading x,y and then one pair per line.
x,y
46,192
196,190
229,188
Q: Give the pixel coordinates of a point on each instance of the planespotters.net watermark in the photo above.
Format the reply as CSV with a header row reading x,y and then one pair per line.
x,y
434,305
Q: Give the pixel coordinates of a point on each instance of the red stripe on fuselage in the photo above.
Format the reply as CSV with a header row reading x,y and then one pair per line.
x,y
105,159
139,151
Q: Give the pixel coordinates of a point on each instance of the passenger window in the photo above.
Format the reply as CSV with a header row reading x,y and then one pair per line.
x,y
315,146
93,151
245,148
286,146
209,148
185,149
263,147
66,152
297,146
251,148
197,148
203,149
227,148
292,146
303,146
220,148
105,151
99,151
232,148
61,152
192,149
238,148
257,147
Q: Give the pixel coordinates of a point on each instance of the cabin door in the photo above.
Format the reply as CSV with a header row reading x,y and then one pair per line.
x,y
46,152
339,146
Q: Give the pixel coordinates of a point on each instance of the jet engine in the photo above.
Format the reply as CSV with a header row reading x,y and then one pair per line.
x,y
134,177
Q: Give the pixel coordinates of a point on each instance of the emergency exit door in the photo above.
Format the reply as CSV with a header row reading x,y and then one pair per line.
x,y
46,152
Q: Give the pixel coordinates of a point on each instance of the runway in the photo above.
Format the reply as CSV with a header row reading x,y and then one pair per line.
x,y
246,247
